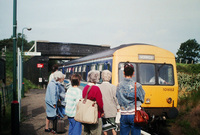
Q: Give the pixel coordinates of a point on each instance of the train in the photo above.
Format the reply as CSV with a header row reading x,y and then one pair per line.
x,y
155,70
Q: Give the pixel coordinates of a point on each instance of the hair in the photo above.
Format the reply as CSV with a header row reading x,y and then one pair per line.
x,y
128,69
93,76
58,75
55,67
106,75
75,79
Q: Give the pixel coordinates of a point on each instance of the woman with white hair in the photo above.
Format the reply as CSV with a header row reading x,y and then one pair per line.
x,y
111,105
95,95
51,98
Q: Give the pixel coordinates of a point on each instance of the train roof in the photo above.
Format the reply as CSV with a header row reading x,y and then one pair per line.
x,y
103,54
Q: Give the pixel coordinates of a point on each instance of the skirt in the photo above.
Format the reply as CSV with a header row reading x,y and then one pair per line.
x,y
109,123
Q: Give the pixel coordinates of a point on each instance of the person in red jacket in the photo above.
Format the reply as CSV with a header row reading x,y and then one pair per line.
x,y
95,95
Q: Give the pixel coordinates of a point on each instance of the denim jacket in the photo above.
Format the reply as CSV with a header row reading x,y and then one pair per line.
x,y
126,94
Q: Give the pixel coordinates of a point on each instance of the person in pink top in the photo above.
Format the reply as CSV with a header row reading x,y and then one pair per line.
x,y
95,95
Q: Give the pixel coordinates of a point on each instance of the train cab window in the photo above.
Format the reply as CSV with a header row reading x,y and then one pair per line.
x,y
146,73
93,67
79,68
121,71
165,74
156,74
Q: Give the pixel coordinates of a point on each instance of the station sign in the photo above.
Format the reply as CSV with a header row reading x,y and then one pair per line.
x,y
40,65
32,53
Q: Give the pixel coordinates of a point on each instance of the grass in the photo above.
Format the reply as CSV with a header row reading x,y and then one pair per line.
x,y
186,105
187,129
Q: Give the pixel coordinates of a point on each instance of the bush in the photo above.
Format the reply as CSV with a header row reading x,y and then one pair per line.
x,y
188,68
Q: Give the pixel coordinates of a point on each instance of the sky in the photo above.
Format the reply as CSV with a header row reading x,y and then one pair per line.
x,y
163,23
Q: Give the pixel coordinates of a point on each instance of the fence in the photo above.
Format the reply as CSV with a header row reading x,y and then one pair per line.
x,y
6,96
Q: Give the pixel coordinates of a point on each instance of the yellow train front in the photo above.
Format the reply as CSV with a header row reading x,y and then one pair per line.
x,y
155,69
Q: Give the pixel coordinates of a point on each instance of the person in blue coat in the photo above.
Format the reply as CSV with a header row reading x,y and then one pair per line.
x,y
51,98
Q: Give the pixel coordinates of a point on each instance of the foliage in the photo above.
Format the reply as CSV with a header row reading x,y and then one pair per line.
x,y
188,68
189,97
6,122
29,85
188,82
9,43
189,50
187,129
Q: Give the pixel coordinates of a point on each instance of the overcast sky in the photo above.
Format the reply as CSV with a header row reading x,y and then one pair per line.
x,y
164,23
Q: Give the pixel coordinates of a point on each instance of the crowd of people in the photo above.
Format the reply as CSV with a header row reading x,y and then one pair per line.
x,y
109,98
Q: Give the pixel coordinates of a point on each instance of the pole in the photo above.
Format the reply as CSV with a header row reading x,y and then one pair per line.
x,y
15,103
22,64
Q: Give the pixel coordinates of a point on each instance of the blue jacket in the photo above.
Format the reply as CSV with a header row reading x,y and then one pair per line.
x,y
126,94
51,98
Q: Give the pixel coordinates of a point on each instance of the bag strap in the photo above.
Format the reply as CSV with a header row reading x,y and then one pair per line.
x,y
135,98
87,92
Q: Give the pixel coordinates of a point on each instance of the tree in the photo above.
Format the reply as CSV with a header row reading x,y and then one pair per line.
x,y
189,52
9,43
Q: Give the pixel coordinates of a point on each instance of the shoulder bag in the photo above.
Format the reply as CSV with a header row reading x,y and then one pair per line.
x,y
141,117
86,110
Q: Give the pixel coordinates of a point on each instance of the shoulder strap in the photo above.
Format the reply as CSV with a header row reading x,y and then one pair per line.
x,y
135,97
87,92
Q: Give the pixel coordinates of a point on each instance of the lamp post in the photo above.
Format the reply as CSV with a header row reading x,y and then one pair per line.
x,y
22,49
15,103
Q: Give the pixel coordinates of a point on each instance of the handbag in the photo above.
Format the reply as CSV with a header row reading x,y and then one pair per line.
x,y
58,103
86,110
141,117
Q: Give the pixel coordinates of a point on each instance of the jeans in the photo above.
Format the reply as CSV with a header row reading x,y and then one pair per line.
x,y
127,125
75,127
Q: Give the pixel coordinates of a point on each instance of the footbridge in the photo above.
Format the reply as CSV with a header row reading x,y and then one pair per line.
x,y
43,51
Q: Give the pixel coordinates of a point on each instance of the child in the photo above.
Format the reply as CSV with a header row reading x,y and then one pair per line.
x,y
72,97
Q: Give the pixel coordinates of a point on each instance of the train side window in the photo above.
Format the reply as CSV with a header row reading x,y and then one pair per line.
x,y
84,68
79,69
66,70
100,67
76,69
93,67
108,66
146,73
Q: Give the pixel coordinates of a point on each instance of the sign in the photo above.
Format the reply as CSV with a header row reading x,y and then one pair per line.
x,y
146,57
32,53
40,65
40,79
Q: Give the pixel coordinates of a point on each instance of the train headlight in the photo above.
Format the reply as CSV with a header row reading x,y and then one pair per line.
x,y
148,101
169,100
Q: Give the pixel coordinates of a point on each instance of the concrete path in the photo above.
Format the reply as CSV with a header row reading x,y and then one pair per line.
x,y
33,114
